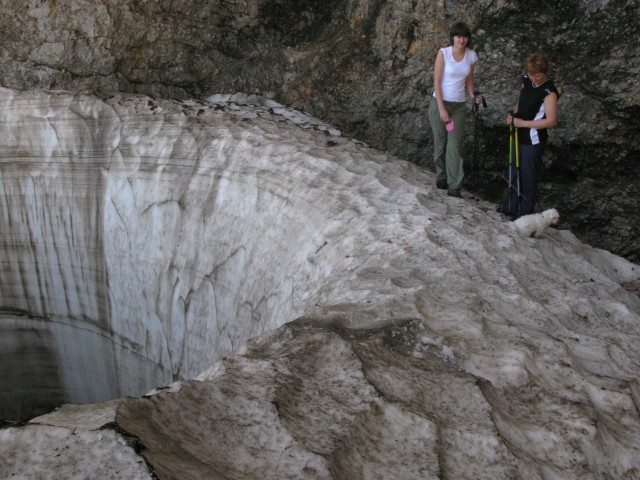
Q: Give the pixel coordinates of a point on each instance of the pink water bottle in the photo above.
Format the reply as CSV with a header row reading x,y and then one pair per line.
x,y
450,125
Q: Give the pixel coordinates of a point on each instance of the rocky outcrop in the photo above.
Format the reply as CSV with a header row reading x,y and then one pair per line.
x,y
366,67
325,312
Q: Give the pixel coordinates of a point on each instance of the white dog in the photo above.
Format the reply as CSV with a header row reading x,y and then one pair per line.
x,y
534,225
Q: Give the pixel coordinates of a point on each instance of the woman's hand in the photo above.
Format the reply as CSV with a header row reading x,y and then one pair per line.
x,y
520,123
444,116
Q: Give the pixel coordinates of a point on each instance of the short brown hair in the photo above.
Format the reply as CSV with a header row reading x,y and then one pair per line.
x,y
461,29
537,62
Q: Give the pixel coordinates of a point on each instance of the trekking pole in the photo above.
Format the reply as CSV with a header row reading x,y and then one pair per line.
x,y
517,170
476,168
511,186
514,162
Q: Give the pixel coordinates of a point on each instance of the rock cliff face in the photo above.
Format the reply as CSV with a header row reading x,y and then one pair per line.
x,y
366,66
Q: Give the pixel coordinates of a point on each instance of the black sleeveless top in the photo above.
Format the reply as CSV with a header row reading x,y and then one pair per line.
x,y
531,107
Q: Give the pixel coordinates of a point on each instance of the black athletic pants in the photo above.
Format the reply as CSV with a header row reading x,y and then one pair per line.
x,y
523,204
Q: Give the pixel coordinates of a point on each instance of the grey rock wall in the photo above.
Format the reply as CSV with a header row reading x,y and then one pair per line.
x,y
366,66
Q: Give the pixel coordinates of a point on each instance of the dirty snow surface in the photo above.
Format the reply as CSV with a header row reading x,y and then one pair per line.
x,y
254,295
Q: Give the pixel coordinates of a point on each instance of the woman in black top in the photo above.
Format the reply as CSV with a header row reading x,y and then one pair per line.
x,y
536,111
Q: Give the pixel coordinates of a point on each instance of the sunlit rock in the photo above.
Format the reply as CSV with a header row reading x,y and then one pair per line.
x,y
296,305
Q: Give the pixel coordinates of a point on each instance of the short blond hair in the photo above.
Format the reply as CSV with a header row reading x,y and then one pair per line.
x,y
537,62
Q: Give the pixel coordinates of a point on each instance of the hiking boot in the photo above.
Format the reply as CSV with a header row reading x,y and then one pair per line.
x,y
455,192
441,184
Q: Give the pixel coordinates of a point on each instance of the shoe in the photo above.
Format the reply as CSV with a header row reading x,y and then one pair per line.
x,y
454,193
441,184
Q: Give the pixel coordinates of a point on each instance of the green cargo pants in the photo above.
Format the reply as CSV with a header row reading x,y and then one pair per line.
x,y
447,146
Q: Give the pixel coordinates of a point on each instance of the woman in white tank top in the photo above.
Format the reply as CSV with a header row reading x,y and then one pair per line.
x,y
452,75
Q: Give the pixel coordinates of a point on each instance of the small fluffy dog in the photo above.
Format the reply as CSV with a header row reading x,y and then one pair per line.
x,y
534,225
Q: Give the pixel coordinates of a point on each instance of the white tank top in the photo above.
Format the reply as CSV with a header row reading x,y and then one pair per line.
x,y
455,74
